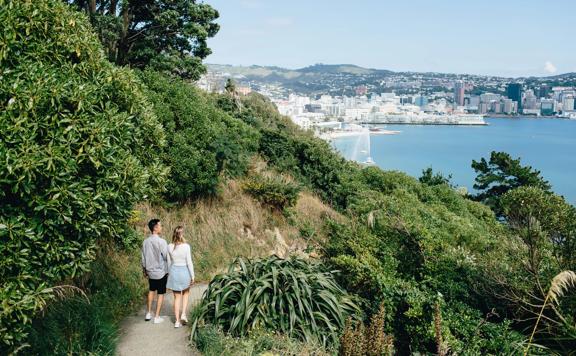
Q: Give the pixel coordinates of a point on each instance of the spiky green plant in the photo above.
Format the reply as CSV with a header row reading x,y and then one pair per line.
x,y
292,296
560,284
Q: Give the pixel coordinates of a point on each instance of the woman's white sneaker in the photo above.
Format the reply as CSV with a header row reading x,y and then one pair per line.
x,y
158,320
148,317
184,319
177,324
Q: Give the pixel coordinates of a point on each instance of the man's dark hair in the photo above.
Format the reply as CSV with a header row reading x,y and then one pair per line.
x,y
153,223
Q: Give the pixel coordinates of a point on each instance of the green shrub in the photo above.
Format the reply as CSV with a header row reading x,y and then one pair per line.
x,y
78,149
203,141
211,341
293,296
275,191
90,324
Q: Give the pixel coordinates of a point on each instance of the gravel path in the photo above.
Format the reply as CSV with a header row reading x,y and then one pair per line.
x,y
144,338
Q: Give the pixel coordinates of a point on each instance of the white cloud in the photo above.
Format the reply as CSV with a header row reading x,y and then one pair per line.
x,y
279,21
549,67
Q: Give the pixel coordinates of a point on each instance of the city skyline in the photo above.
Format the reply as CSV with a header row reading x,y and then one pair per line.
x,y
512,39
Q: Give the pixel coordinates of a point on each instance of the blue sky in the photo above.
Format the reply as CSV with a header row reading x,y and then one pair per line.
x,y
494,37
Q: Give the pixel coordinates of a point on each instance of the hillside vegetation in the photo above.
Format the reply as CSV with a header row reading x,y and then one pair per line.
x,y
378,262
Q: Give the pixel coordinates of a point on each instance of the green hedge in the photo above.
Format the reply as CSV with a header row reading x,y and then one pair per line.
x,y
77,150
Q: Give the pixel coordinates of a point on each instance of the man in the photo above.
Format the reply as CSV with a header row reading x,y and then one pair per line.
x,y
155,267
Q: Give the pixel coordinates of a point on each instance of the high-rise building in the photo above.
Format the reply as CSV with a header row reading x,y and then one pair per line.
x,y
568,103
543,91
530,101
508,106
547,107
459,93
514,92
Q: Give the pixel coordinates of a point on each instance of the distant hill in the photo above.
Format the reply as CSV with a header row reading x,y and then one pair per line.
x,y
343,79
265,71
340,68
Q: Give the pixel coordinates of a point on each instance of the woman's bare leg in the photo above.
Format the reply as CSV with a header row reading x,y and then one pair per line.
x,y
177,301
185,295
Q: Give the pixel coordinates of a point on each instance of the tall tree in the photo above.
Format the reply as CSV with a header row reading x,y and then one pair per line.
x,y
501,174
167,35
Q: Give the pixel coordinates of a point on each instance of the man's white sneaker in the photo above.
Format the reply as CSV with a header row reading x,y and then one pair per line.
x,y
177,324
148,317
158,320
184,319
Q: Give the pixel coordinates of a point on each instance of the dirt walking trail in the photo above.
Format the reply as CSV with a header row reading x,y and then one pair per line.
x,y
143,338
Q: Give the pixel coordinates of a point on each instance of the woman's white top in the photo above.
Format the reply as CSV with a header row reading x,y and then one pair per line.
x,y
181,255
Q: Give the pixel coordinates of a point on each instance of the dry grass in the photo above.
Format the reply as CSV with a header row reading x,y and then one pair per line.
x,y
559,285
234,224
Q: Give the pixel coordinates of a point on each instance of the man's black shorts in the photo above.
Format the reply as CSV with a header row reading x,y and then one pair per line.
x,y
158,285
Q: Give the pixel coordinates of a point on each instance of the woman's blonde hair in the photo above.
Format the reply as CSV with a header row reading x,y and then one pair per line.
x,y
178,235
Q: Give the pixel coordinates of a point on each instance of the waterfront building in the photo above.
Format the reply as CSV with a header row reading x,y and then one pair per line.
x,y
315,108
530,101
420,101
474,101
496,107
489,97
508,106
568,103
483,108
459,93
547,107
543,91
514,92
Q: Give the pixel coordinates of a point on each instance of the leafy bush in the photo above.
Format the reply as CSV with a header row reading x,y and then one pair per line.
x,y
203,141
410,243
78,149
275,191
293,296
90,324
211,341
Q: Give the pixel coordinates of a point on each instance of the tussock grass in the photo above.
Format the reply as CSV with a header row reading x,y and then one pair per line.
x,y
559,285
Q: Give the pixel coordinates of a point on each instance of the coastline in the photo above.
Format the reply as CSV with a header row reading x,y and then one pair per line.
x,y
424,123
342,134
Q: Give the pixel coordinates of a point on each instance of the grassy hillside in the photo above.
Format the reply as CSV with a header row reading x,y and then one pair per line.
x,y
235,224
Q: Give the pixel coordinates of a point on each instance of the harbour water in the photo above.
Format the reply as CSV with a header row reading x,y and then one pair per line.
x,y
548,145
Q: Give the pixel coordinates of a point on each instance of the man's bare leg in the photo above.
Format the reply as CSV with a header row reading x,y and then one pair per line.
x,y
150,300
159,304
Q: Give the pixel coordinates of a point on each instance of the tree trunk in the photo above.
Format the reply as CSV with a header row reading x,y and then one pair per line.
x,y
92,7
123,45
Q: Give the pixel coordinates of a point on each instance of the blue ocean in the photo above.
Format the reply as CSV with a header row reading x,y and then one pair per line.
x,y
548,145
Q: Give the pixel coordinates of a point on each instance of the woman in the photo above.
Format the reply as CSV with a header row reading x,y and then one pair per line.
x,y
181,276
